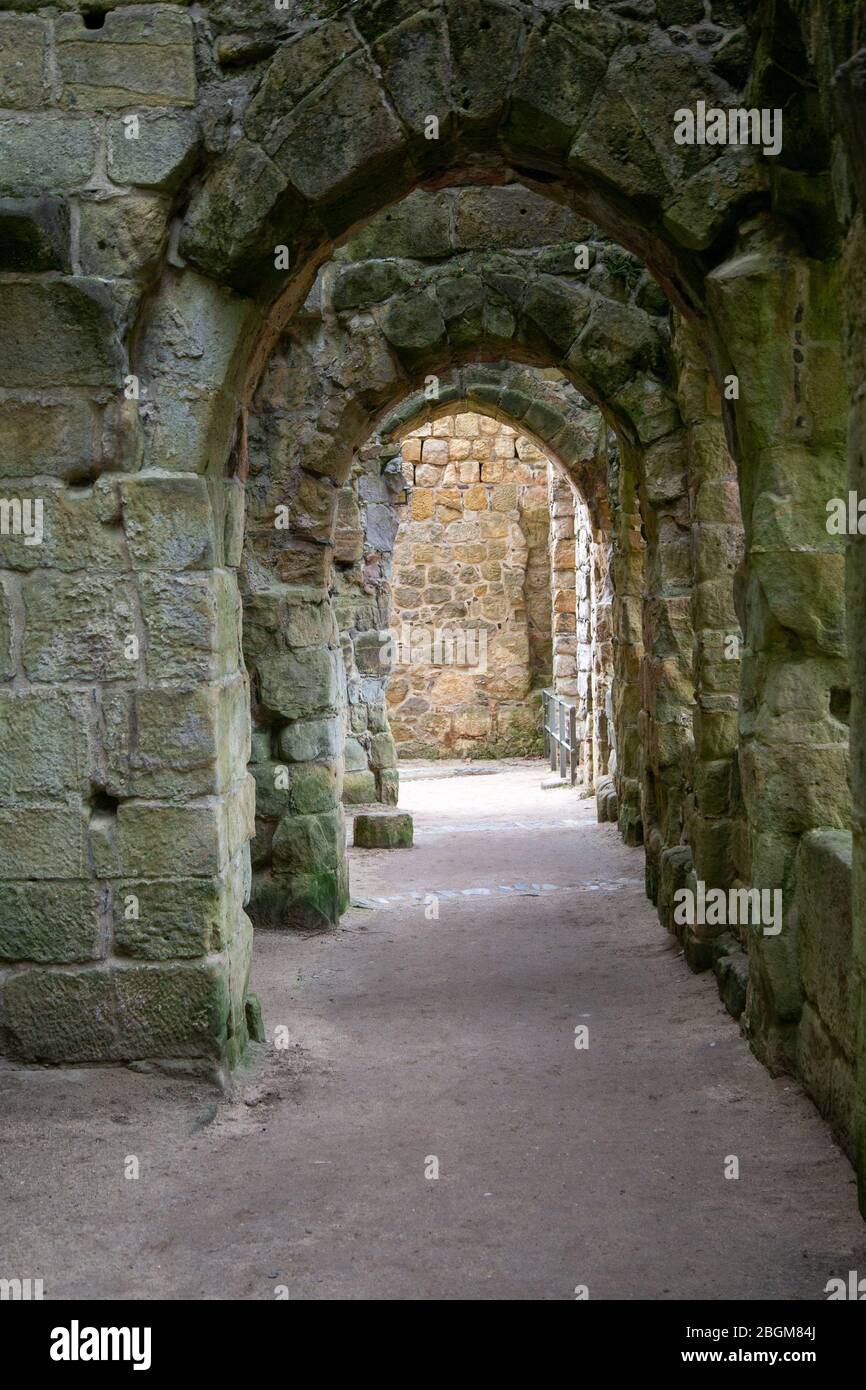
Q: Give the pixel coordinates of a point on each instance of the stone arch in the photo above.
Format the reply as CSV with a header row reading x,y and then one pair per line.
x,y
557,420
613,348
582,524
339,127
553,414
736,263
362,348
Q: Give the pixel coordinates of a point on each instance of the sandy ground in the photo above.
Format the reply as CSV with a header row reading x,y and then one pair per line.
x,y
413,1037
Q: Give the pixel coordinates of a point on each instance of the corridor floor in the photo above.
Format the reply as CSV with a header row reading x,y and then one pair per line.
x,y
413,1037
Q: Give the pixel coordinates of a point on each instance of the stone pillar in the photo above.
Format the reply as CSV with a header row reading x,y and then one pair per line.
x,y
602,654
628,558
667,690
778,315
293,653
369,512
535,522
125,806
586,691
715,822
563,503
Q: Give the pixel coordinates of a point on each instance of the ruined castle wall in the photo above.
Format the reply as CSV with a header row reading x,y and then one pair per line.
x,y
471,592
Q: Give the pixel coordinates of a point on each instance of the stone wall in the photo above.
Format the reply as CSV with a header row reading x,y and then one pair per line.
x,y
368,514
471,610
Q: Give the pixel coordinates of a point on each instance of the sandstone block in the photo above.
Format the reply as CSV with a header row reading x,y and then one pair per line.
x,y
383,830
47,151
168,919
49,922
302,841
160,156
296,685
76,628
143,54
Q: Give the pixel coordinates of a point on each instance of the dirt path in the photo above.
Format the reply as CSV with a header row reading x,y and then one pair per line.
x,y
414,1037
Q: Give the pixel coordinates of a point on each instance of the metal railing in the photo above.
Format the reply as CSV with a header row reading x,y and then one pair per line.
x,y
559,719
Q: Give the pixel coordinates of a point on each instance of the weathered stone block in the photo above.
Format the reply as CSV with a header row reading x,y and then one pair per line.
x,y
162,154
732,974
383,752
337,135
38,843
192,625
44,742
381,527
359,788
287,618
192,334
383,830
170,742
53,1016
792,787
123,237
77,529
702,206
228,231
827,1075
368,282
168,522
824,932
348,529
57,334
304,841
414,324
556,83
49,922
298,684
161,841
76,628
273,788
142,54
311,740
179,1011
315,788
170,919
305,901
419,226
674,866
255,1023
7,665
512,216
22,61
296,70
355,757
414,57
713,787
59,438
715,730
389,786
483,39
48,151
371,653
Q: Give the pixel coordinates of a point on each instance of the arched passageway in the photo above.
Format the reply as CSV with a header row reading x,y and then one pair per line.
x,y
193,351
